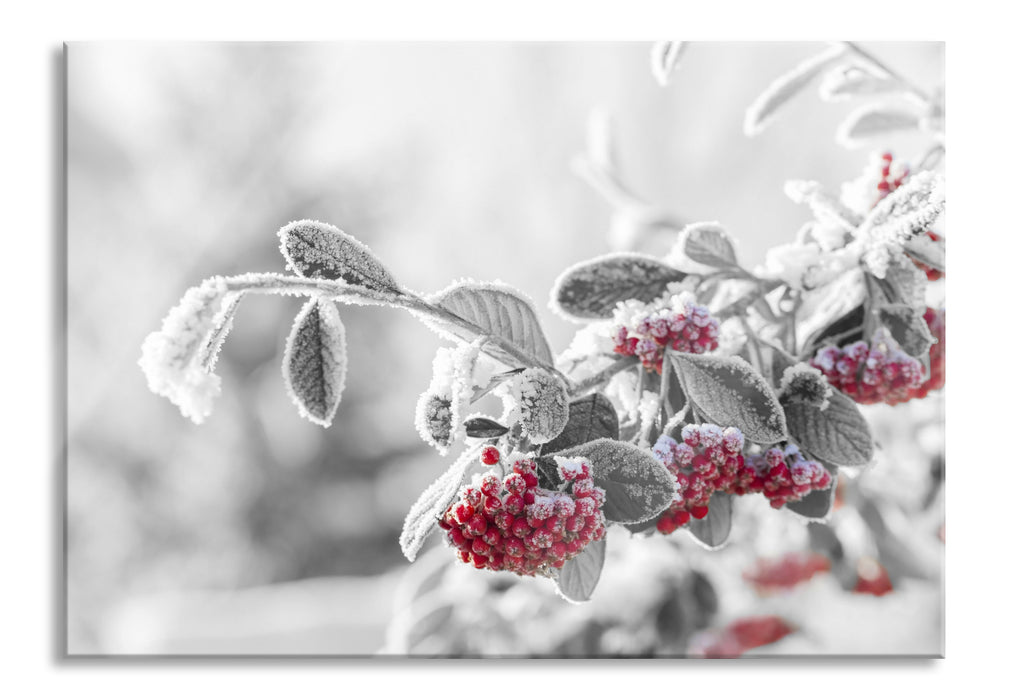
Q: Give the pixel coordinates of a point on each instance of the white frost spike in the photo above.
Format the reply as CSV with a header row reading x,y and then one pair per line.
x,y
570,468
543,404
665,55
872,120
175,359
315,361
767,104
649,412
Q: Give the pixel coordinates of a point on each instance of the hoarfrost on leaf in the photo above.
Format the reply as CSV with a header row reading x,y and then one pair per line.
x,y
874,120
543,404
506,316
801,382
176,359
708,243
846,81
315,249
637,485
315,361
592,289
729,391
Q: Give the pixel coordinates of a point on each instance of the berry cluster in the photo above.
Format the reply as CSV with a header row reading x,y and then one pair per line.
x,y
709,459
793,568
782,475
684,326
512,524
739,637
936,320
871,374
890,178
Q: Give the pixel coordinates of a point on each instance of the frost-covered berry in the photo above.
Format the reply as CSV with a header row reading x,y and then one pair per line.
x,y
936,320
647,330
513,524
490,455
871,373
782,475
931,272
707,460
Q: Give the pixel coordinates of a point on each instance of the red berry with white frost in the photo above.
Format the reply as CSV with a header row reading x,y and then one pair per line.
x,y
647,330
871,372
936,320
518,526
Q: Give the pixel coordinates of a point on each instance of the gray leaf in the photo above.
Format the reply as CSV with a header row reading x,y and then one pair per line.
x,y
315,361
591,289
501,313
908,328
315,249
637,485
708,244
816,505
730,392
839,434
713,529
589,418
579,576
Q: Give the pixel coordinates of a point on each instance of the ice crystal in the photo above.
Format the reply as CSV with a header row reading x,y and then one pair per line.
x,y
176,359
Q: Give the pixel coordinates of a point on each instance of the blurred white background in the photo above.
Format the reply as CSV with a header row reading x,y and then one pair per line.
x,y
259,532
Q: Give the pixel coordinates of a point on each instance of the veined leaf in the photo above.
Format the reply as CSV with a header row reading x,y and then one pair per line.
x,y
712,531
708,244
591,289
315,249
838,434
315,361
589,418
579,576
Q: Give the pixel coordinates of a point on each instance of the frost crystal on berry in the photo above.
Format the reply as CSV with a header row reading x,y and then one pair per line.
x,y
871,373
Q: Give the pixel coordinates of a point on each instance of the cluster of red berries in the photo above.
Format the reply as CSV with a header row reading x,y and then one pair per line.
x,y
785,572
512,524
688,327
890,180
709,459
782,475
868,374
739,637
936,320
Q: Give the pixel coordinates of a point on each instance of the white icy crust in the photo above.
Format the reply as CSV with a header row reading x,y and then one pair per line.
x,y
542,404
789,262
495,286
570,467
861,193
813,379
455,371
174,358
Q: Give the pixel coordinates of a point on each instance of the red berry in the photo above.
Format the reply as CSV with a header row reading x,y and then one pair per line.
x,y
490,455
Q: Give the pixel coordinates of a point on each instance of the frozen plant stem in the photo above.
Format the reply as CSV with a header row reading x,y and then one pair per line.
x,y
267,283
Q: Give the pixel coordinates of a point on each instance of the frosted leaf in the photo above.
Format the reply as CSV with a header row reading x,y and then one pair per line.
x,y
315,249
592,289
908,328
579,576
906,213
839,434
543,404
440,409
816,505
729,391
712,531
664,57
846,81
786,87
425,513
708,243
175,359
589,418
801,382
315,361
483,427
872,120
904,283
829,303
637,485
500,312
862,193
